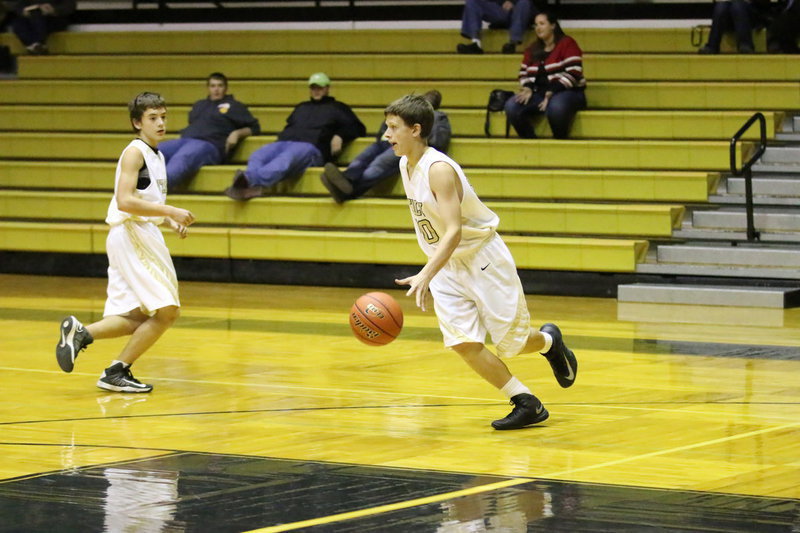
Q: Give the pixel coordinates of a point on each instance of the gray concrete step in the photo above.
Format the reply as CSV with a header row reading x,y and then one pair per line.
x,y
689,233
718,271
765,186
769,190
785,155
796,123
789,136
755,255
721,295
785,170
732,218
685,314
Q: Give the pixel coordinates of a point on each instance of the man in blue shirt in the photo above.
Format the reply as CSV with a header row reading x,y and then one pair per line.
x,y
216,125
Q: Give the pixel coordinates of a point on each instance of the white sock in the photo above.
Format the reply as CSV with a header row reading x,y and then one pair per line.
x,y
115,361
548,342
514,387
478,42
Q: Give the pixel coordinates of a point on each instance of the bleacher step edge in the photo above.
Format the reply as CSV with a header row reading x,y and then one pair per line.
x,y
735,296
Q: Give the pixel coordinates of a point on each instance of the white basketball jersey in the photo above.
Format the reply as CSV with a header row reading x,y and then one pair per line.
x,y
478,222
155,192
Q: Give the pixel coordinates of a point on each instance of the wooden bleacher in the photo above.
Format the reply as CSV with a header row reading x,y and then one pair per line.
x,y
653,141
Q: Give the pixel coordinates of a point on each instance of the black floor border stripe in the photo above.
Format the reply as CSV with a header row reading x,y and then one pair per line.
x,y
341,464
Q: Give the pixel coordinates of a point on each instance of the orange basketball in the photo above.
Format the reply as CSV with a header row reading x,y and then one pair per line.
x,y
376,318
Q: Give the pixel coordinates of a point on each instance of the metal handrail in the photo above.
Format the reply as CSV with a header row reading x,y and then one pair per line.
x,y
746,171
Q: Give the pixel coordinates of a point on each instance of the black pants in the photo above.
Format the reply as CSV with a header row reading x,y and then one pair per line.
x,y
783,32
37,27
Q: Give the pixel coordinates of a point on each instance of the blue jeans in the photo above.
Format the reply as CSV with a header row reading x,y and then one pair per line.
x,y
279,160
561,110
376,163
518,20
184,158
734,13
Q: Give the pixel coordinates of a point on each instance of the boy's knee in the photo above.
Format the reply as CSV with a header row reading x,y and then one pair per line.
x,y
168,314
468,349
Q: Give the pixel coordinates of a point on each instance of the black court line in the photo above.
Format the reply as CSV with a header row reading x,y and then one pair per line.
x,y
576,342
387,406
98,465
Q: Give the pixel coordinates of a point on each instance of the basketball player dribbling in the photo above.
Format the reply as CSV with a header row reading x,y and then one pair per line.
x,y
470,271
142,286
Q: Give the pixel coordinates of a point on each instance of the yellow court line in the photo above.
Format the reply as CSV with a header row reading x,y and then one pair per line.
x,y
390,507
552,475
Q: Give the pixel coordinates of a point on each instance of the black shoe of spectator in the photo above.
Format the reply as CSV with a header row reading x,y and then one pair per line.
x,y
241,194
240,180
38,49
707,50
745,48
509,48
338,196
252,192
234,193
471,48
337,179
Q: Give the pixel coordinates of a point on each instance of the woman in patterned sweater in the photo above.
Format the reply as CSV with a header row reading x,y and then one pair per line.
x,y
551,80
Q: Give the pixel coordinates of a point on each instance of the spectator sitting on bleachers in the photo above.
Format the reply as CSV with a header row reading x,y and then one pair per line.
x,y
34,21
216,125
378,161
315,132
516,15
552,81
784,31
741,16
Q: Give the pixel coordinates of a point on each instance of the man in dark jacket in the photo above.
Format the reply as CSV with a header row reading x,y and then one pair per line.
x,y
216,125
315,132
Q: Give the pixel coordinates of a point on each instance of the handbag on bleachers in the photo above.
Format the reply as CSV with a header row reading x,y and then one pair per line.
x,y
497,102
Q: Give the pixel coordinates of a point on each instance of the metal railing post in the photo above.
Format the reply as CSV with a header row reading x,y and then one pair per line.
x,y
746,171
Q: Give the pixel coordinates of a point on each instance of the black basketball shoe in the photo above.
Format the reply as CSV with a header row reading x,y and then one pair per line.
x,y
117,378
527,410
74,338
561,358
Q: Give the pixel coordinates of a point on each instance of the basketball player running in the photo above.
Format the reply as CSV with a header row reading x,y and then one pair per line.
x,y
142,287
469,271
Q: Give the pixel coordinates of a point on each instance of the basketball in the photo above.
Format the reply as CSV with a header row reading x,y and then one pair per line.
x,y
376,318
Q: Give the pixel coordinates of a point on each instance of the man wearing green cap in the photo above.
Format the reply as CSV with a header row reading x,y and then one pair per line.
x,y
315,133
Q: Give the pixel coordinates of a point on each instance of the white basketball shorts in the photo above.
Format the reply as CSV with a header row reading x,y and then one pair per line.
x,y
140,270
482,294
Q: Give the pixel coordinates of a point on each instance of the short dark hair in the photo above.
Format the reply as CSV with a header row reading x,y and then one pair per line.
x,y
413,109
142,102
217,76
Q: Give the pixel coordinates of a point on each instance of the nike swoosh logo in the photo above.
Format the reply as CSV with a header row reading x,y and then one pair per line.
x,y
571,375
484,268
